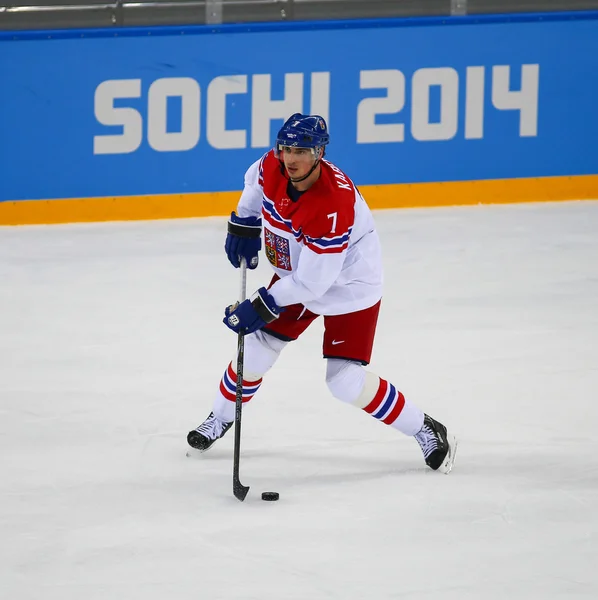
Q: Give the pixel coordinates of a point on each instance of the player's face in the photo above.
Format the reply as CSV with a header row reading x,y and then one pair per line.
x,y
298,161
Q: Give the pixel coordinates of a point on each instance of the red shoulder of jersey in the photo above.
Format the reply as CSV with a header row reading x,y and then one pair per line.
x,y
269,169
328,226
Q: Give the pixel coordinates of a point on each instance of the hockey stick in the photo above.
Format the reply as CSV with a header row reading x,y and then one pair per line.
x,y
239,490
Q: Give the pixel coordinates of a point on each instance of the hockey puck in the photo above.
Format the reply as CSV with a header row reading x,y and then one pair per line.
x,y
270,496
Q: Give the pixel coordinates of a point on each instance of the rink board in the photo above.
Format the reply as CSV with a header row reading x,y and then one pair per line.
x,y
162,122
452,193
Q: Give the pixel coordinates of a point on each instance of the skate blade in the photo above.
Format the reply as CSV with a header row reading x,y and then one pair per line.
x,y
195,452
449,461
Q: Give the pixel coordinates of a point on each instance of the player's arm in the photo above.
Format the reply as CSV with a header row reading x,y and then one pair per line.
x,y
320,262
317,270
250,203
245,225
319,266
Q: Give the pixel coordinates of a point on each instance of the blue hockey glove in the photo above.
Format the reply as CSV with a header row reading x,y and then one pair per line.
x,y
244,240
252,314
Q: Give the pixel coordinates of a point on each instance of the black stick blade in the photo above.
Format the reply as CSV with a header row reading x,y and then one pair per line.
x,y
240,490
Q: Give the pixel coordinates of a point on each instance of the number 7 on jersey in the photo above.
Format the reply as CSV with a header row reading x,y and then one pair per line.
x,y
333,216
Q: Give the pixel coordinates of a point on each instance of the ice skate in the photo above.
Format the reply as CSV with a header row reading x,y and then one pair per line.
x,y
439,446
212,429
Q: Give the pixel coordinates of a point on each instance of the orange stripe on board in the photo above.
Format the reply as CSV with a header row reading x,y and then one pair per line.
x,y
118,208
491,191
177,206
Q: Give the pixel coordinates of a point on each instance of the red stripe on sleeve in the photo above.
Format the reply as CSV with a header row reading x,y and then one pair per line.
x,y
330,250
273,222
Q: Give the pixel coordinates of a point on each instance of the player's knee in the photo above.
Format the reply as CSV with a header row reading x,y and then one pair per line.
x,y
261,352
345,379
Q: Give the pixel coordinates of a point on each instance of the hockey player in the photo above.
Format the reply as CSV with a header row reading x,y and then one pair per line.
x,y
321,241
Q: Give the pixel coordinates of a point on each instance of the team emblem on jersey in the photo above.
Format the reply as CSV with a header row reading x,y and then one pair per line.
x,y
277,250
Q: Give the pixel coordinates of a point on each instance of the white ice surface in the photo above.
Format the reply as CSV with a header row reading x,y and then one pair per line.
x,y
111,347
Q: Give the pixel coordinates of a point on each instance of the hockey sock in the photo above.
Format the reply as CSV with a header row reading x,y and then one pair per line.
x,y
261,352
351,383
224,403
386,403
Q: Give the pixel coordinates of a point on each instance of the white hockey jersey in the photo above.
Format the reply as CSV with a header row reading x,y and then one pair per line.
x,y
324,247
